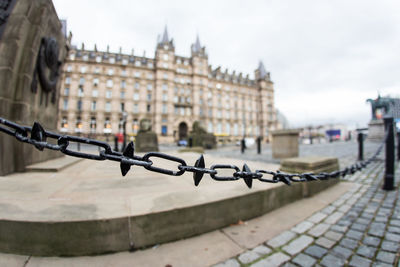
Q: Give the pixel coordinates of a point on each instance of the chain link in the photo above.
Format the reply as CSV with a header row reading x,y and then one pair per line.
x,y
39,136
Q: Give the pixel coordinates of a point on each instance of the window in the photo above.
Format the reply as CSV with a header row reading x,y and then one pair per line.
x,y
67,80
148,108
150,76
182,111
150,65
98,59
123,73
124,61
97,70
149,87
122,107
95,93
108,94
175,99
164,109
93,125
72,56
107,125
165,65
137,85
165,56
83,69
148,97
64,122
135,108
108,106
81,81
69,68
122,95
176,110
235,129
210,127
93,107
137,63
164,130
219,128
80,92
219,86
110,83
136,96
135,126
165,76
165,97
110,72
228,128
137,73
66,91
123,84
85,57
78,126
79,105
165,87
65,104
96,81
112,60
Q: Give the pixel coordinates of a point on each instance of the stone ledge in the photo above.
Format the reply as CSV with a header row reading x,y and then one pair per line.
x,y
54,165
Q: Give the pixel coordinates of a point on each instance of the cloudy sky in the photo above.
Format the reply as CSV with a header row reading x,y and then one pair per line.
x,y
325,57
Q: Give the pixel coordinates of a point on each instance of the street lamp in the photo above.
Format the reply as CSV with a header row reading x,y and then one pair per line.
x,y
124,116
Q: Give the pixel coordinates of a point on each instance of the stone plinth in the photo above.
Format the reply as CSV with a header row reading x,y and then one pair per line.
x,y
376,130
146,142
29,87
285,144
312,164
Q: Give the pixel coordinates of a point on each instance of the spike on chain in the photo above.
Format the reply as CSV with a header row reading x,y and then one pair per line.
x,y
247,179
197,176
128,152
38,134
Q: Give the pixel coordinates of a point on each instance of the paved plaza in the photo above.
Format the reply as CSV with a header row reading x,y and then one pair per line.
x,y
361,228
354,223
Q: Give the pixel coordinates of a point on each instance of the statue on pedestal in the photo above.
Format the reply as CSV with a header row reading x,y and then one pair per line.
x,y
201,138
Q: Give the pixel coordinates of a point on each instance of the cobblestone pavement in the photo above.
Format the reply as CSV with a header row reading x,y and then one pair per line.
x,y
361,228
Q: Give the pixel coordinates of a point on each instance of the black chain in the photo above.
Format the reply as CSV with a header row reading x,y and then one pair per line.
x,y
39,138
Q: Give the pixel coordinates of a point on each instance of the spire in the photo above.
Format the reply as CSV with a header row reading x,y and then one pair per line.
x,y
165,38
261,69
197,46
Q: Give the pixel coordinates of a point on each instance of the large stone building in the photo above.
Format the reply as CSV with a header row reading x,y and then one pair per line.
x,y
99,89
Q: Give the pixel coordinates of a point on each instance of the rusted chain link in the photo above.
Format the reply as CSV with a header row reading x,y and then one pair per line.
x,y
39,138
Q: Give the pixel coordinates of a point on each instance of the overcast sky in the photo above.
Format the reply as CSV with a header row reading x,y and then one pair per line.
x,y
325,57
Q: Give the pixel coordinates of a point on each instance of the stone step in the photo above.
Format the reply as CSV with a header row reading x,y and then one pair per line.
x,y
54,165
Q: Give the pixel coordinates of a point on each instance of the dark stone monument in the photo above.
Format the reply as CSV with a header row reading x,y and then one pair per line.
x,y
146,140
200,137
33,47
379,107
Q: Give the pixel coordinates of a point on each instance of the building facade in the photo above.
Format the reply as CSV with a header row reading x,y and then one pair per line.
x,y
100,90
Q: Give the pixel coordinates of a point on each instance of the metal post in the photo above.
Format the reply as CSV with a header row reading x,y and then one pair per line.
x,y
116,143
388,183
190,141
242,145
259,145
398,145
360,139
124,132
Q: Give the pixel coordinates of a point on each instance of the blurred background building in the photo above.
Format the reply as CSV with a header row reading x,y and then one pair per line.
x,y
100,89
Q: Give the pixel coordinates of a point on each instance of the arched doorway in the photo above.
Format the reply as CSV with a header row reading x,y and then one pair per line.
x,y
182,131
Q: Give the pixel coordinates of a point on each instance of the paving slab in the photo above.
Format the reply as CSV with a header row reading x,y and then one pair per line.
x,y
54,165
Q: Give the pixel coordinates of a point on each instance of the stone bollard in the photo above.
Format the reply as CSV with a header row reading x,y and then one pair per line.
x,y
285,144
388,183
